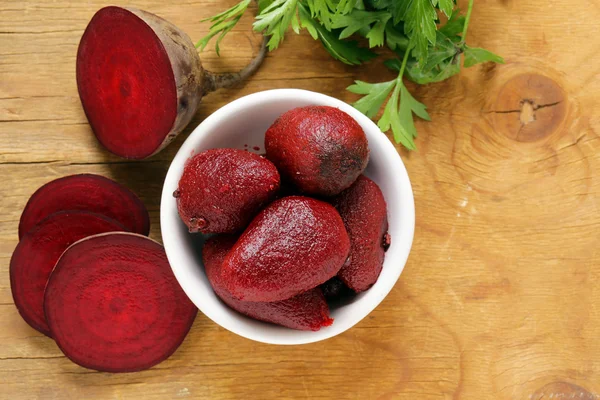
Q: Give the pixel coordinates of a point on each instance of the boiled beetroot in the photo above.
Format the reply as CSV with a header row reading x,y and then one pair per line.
x,y
86,192
320,149
37,253
306,311
364,211
113,303
292,246
140,80
221,190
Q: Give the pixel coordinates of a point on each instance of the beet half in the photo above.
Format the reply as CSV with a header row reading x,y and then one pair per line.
x,y
293,245
113,304
364,211
86,192
307,311
140,80
39,250
221,190
320,149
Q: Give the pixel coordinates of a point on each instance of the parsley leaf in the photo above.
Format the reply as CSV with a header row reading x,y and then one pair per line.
x,y
376,94
395,40
323,10
345,6
399,110
359,20
445,5
454,26
346,51
419,18
476,55
222,24
274,20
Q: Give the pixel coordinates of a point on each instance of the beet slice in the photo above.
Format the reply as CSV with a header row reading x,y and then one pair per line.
x,y
307,311
113,303
140,80
86,192
37,253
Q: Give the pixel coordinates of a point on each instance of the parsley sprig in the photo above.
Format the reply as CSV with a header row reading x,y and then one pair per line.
x,y
425,51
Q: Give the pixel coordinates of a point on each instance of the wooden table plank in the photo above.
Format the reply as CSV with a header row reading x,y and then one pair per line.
x,y
500,298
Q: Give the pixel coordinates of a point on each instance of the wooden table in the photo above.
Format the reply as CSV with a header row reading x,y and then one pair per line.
x,y
500,298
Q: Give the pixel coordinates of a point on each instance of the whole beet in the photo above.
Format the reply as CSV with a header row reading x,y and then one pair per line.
x,y
293,245
364,212
306,311
320,149
221,190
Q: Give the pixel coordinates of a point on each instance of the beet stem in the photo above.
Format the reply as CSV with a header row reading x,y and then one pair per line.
x,y
217,81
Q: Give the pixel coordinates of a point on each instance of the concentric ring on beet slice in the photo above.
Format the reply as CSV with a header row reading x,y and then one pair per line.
x,y
39,250
114,305
86,192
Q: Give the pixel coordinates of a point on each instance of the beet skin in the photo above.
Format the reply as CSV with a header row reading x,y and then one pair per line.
x,y
306,311
221,190
364,212
320,149
292,246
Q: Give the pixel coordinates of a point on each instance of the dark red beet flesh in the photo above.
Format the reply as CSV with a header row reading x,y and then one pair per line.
x,y
320,149
292,246
221,190
86,192
364,212
126,83
37,253
114,305
307,311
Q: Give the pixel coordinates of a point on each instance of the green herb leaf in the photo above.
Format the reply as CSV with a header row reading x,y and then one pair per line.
x,y
419,24
395,40
445,5
346,6
377,34
323,10
440,73
274,20
346,51
380,4
358,20
375,95
454,27
399,110
476,55
222,24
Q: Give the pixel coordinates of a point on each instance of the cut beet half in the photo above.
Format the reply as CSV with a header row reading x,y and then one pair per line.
x,y
307,311
86,192
37,253
139,79
113,304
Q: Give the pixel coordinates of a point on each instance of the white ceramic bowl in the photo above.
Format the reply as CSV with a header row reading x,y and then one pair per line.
x,y
242,124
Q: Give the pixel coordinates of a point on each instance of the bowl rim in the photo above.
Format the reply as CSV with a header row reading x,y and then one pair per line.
x,y
205,128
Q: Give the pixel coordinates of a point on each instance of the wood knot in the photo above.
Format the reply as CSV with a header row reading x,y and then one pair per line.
x,y
529,107
563,390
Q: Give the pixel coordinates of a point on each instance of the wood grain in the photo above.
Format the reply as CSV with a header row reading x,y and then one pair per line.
x,y
500,298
